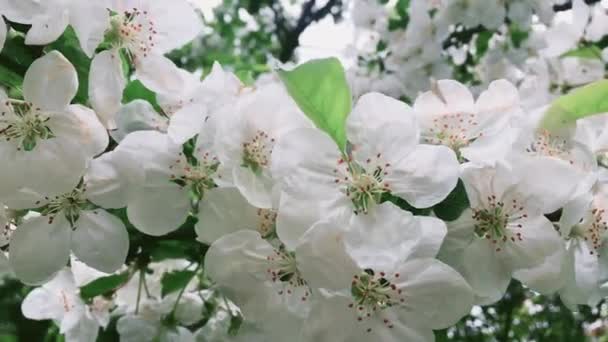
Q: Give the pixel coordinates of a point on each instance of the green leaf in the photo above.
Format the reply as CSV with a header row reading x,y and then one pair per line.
x,y
9,78
175,281
590,52
104,285
452,207
482,43
518,36
135,90
585,101
320,88
69,46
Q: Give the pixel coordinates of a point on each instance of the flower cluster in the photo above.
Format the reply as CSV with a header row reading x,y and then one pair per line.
x,y
542,47
425,211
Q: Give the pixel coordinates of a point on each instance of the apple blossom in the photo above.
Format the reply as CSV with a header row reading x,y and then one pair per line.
x,y
44,137
386,159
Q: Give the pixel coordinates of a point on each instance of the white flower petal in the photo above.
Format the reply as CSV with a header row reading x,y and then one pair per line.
x,y
96,233
539,241
546,278
257,189
90,20
322,257
158,210
138,115
106,84
224,211
434,293
159,74
298,214
238,263
42,304
374,110
383,238
485,272
134,328
426,176
3,33
94,136
304,152
86,330
58,159
48,27
39,249
186,122
106,185
176,25
50,82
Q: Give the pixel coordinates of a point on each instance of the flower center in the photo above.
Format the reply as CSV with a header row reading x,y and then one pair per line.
x,y
70,204
373,292
256,152
267,223
364,185
452,130
283,269
25,124
547,144
196,174
498,222
592,232
133,30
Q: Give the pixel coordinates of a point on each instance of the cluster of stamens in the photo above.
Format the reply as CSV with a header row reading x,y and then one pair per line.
x,y
70,205
24,124
267,222
498,221
548,144
257,151
133,30
373,292
283,268
594,231
198,177
452,130
363,183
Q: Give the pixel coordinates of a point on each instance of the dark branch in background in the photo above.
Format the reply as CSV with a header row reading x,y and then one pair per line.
x,y
289,35
568,5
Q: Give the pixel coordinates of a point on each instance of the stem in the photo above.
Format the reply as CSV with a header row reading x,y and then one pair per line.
x,y
141,282
183,289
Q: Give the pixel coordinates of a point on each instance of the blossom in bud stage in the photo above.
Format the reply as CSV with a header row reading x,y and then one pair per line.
x,y
247,134
385,159
144,30
375,281
475,130
41,245
46,142
504,231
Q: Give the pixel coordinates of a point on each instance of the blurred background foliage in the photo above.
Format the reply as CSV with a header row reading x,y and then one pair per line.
x,y
247,36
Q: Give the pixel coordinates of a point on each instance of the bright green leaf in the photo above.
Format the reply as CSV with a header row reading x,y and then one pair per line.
x,y
590,52
103,285
320,88
135,90
175,281
585,101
